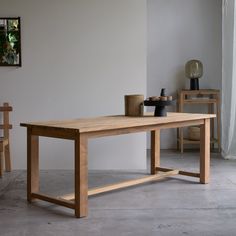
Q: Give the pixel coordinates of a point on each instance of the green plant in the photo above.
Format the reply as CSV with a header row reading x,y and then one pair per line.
x,y
9,42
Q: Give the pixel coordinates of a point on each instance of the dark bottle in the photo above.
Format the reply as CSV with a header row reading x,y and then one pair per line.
x,y
163,92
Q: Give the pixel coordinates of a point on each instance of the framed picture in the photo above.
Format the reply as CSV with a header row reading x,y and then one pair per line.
x,y
10,41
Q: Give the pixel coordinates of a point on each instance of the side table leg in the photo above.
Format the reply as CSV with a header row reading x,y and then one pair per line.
x,y
1,162
182,97
32,164
155,151
211,110
81,177
218,123
205,152
181,140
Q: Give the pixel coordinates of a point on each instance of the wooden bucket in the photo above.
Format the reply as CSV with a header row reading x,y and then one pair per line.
x,y
134,105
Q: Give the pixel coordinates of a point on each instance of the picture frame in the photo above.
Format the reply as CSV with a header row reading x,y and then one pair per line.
x,y
10,41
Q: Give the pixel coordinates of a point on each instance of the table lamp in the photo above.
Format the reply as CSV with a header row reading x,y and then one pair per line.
x,y
194,71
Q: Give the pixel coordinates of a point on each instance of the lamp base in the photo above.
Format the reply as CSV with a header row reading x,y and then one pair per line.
x,y
194,84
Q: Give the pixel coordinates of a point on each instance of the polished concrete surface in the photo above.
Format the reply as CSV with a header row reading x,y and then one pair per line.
x,y
173,206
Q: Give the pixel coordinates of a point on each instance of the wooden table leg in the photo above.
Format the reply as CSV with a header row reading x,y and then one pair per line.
x,y
32,164
218,113
155,151
205,152
81,177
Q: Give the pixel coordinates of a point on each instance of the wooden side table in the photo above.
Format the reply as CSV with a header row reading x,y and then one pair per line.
x,y
211,97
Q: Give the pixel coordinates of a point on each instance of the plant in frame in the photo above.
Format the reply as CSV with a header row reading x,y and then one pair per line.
x,y
10,41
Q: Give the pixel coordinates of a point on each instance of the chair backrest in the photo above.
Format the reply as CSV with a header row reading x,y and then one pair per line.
x,y
5,125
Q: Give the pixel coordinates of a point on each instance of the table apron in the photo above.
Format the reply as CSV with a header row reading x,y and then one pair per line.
x,y
71,134
52,132
112,132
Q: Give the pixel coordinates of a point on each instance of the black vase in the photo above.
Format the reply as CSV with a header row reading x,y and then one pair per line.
x,y
194,84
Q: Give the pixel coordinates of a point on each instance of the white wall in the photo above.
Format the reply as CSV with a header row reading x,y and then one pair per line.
x,y
180,30
79,58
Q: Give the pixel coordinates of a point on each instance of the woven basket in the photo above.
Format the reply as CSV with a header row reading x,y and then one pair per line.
x,y
194,133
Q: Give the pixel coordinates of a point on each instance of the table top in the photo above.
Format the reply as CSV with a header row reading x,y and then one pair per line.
x,y
118,121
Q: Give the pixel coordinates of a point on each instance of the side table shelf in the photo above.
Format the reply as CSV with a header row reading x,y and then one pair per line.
x,y
210,97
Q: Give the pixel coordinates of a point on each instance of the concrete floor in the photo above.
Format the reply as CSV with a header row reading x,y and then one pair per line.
x,y
174,206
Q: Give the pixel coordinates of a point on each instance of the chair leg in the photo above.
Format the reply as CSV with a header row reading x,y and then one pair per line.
x,y
7,158
1,164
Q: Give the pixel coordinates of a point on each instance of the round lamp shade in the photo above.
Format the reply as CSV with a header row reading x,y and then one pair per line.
x,y
193,69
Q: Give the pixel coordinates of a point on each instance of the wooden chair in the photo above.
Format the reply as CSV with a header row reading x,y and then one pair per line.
x,y
4,141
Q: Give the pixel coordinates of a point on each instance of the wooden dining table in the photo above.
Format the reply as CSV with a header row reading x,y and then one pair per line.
x,y
82,129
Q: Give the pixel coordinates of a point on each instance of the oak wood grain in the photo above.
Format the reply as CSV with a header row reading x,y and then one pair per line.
x,y
205,152
155,150
81,176
86,125
124,184
32,164
55,200
5,140
80,130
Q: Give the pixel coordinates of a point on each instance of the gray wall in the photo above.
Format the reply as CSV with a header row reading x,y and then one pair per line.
x,y
180,30
79,59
